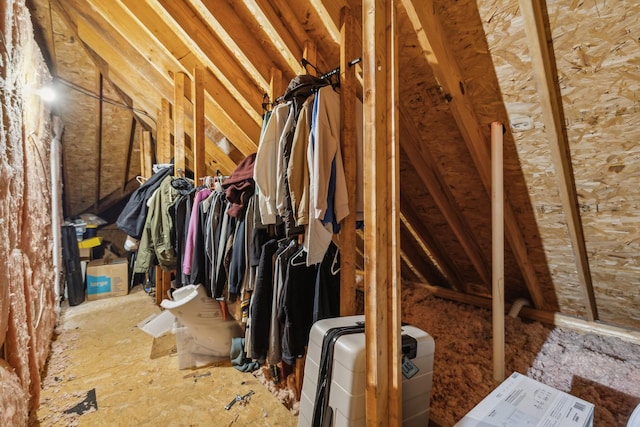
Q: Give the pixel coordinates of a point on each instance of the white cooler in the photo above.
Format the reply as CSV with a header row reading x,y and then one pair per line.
x,y
346,395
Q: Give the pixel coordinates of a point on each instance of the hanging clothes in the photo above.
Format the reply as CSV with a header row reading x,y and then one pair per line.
x,y
298,168
299,89
192,230
265,172
156,244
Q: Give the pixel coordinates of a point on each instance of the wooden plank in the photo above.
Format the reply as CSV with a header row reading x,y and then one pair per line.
x,y
98,154
423,266
198,142
212,53
310,53
146,155
179,101
433,246
497,250
278,33
241,128
383,392
428,170
117,19
164,132
551,318
348,50
237,39
276,86
132,140
299,27
424,19
544,69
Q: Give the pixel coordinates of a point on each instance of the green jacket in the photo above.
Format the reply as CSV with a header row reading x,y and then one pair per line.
x,y
155,242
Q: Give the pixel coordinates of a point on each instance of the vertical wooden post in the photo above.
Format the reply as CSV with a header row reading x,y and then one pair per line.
x,y
497,245
99,144
179,102
275,85
348,51
310,54
164,132
198,143
383,392
146,162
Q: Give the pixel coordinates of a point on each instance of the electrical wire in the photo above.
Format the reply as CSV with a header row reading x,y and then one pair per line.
x,y
91,94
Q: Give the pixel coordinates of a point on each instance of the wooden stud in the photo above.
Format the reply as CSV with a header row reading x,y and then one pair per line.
x,y
99,143
348,51
179,101
132,140
383,393
164,132
198,142
145,154
276,87
544,69
497,249
310,53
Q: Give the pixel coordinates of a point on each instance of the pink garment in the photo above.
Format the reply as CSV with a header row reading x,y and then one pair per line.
x,y
191,232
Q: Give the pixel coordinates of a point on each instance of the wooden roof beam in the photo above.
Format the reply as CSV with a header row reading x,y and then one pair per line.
x,y
422,14
427,169
212,53
544,69
222,108
419,262
223,21
431,244
268,20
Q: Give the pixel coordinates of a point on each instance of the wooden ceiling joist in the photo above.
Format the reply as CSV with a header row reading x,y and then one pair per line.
x,y
544,69
431,36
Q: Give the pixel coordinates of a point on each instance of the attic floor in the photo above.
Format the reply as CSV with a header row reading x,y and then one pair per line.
x,y
97,346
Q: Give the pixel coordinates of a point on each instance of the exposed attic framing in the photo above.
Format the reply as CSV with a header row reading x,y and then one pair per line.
x,y
248,48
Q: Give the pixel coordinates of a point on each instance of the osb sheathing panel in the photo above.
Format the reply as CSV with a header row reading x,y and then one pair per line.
x,y
26,265
116,130
426,108
596,50
82,137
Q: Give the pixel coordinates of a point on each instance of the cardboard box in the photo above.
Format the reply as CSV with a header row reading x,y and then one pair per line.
x,y
85,254
107,278
522,401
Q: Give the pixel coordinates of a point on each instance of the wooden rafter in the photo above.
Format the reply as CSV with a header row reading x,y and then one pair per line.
x,y
544,69
221,19
267,19
433,245
423,16
205,45
428,171
225,112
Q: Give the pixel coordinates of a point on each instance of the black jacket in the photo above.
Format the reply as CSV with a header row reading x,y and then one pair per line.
x,y
134,214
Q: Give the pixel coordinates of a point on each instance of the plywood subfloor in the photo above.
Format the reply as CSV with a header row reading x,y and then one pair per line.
x,y
98,346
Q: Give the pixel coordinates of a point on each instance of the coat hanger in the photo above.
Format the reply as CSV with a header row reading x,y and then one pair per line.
x,y
335,263
295,259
